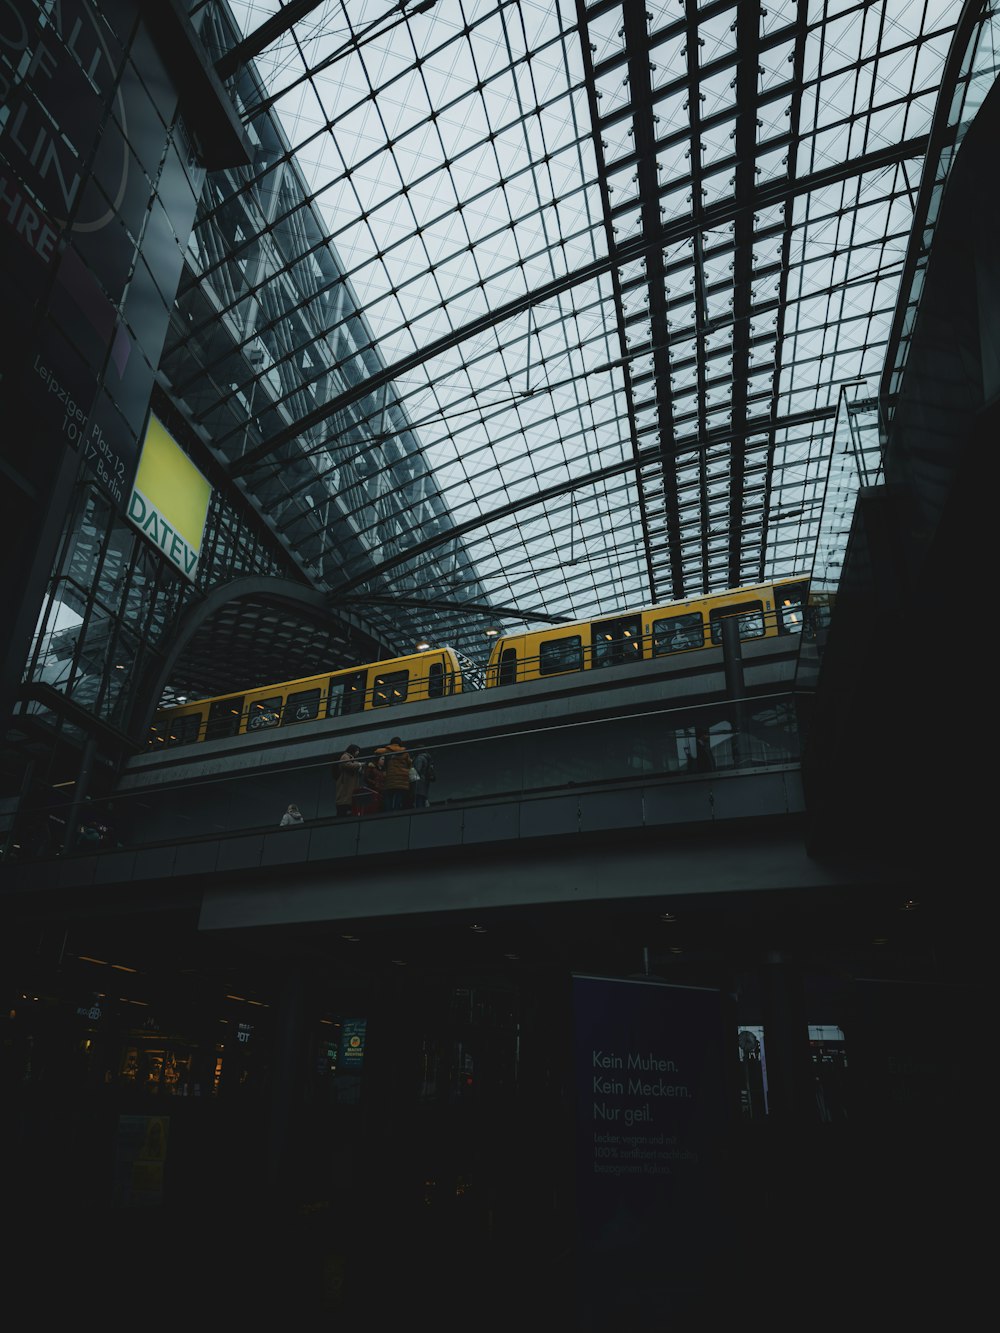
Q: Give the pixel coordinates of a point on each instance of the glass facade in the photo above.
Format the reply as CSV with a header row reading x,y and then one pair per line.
x,y
580,286
511,315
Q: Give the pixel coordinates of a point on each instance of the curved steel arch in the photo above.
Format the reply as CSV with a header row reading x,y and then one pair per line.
x,y
309,603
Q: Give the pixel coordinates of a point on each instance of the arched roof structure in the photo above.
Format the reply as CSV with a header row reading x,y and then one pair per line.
x,y
526,312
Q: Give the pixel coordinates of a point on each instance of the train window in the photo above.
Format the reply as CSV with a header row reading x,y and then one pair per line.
x,y
435,680
347,694
616,641
224,717
183,730
301,707
390,688
750,615
264,713
791,606
560,655
508,667
675,633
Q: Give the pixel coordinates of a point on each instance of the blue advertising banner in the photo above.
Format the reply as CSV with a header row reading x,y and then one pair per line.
x,y
652,1119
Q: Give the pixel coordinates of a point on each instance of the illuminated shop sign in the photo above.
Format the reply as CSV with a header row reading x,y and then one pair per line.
x,y
352,1044
92,1010
170,499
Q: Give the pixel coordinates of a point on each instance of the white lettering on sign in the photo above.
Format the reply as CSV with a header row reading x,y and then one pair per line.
x,y
148,519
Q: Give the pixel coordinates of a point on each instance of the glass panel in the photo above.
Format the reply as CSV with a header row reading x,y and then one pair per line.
x,y
389,689
675,633
183,730
751,618
338,307
435,681
264,713
560,655
301,707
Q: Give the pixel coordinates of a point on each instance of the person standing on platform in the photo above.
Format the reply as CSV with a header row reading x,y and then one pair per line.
x,y
368,797
421,785
347,771
291,817
397,774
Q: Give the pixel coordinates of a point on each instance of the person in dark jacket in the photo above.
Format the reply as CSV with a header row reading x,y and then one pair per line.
x,y
421,788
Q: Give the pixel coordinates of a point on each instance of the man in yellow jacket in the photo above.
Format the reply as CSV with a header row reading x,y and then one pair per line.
x,y
397,774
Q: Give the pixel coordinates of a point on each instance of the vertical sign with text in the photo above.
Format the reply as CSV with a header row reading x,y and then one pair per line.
x,y
140,1160
170,499
651,1122
351,1059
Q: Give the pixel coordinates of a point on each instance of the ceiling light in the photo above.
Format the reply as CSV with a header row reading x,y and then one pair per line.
x,y
422,645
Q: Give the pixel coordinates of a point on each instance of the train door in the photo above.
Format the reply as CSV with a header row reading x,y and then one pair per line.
x,y
790,601
616,641
436,680
224,717
347,694
507,668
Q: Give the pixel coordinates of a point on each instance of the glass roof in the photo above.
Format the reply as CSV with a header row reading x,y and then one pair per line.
x,y
545,309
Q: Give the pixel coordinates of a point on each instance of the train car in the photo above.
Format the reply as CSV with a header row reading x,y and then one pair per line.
x,y
396,681
763,611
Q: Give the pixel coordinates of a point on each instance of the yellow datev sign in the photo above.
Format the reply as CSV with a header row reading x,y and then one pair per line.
x,y
170,498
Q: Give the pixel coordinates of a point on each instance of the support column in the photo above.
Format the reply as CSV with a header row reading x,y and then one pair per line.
x,y
286,1086
732,658
80,793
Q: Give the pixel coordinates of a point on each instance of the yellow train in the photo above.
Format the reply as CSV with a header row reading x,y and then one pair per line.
x,y
426,675
763,610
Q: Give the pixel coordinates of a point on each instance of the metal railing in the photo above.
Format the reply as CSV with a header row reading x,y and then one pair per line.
x,y
655,746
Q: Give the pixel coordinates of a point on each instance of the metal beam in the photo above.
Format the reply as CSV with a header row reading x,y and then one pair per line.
x,y
261,38
648,455
673,232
